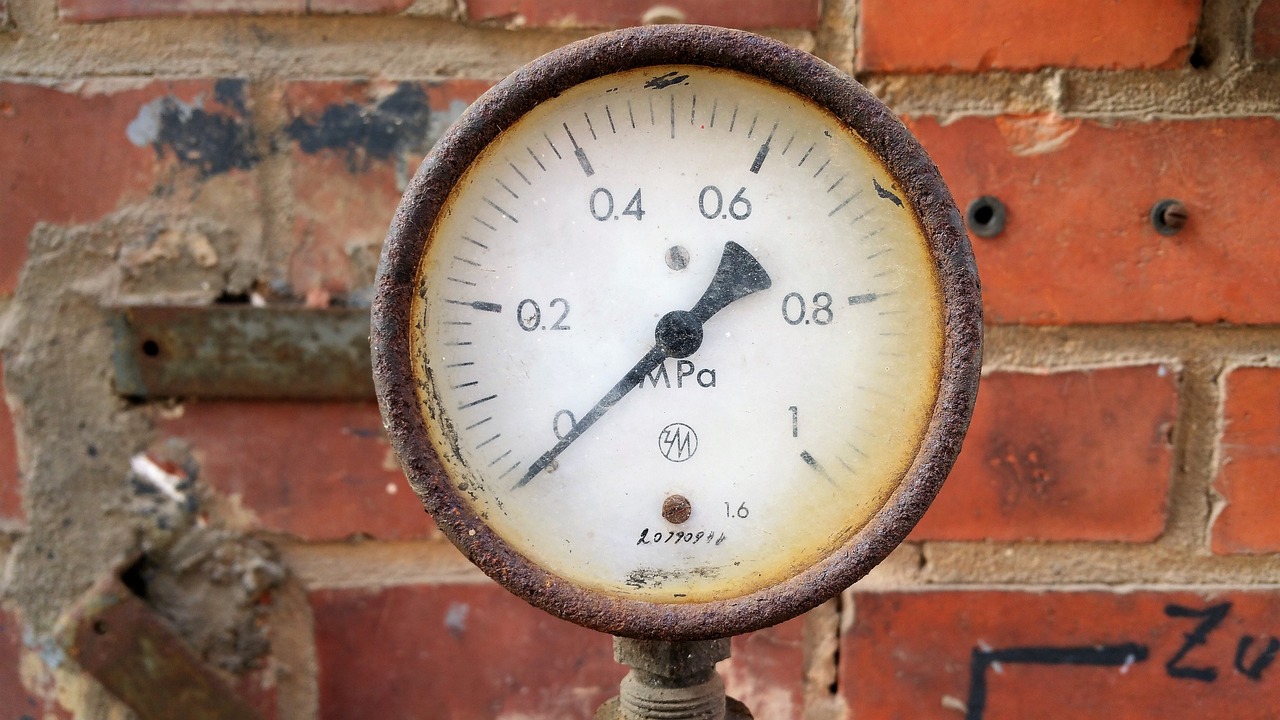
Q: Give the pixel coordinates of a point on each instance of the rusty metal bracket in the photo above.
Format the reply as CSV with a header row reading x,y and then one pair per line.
x,y
116,638
242,352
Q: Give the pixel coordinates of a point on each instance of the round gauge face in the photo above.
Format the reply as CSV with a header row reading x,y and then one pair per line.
x,y
676,337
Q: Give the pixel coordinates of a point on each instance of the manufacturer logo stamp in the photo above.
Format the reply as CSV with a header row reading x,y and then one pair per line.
x,y
677,442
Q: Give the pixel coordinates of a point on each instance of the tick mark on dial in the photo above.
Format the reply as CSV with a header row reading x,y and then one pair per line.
x,y
511,192
806,155
846,201
502,212
764,150
578,152
590,128
835,184
609,115
535,158
811,462
522,177
478,305
554,149
474,403
864,298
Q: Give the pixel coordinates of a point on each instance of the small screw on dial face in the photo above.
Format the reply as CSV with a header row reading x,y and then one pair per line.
x,y
676,509
677,257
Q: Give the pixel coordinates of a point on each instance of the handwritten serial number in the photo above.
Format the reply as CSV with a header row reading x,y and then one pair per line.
x,y
677,537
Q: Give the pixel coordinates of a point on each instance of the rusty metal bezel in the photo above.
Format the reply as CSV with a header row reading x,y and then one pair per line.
x,y
545,78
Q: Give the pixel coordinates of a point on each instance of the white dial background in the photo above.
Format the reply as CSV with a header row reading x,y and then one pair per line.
x,y
808,400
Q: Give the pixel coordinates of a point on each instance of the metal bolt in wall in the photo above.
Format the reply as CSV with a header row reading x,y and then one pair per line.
x,y
986,216
1168,217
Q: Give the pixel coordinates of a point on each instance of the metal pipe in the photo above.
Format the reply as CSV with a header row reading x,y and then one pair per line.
x,y
671,681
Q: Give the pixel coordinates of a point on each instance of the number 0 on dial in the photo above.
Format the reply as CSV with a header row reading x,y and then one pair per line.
x,y
677,332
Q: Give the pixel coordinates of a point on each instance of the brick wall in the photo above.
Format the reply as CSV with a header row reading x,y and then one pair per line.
x,y
1106,545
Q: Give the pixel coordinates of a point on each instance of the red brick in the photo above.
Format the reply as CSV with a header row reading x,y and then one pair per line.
x,y
476,652
1067,456
1266,31
1079,246
1249,479
66,157
95,10
28,689
766,671
15,698
459,652
319,471
909,655
354,145
743,14
358,7
960,35
10,473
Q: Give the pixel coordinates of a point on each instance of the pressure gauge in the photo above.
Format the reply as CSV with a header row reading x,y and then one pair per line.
x,y
677,332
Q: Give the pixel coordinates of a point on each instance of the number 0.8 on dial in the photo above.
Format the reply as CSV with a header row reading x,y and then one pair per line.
x,y
679,335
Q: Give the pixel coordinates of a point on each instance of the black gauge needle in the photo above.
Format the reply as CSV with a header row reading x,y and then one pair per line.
x,y
678,335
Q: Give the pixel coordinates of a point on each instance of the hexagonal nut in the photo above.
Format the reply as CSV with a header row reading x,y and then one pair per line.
x,y
670,659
